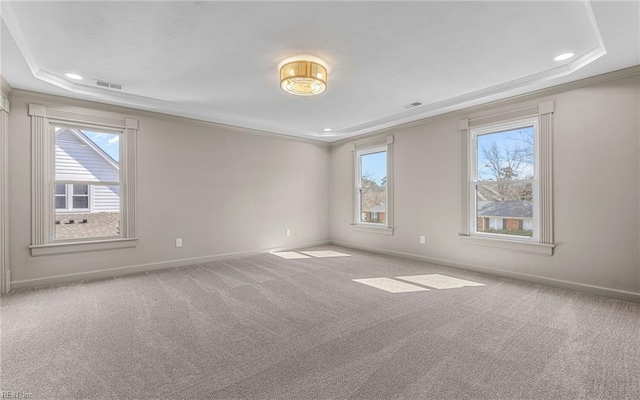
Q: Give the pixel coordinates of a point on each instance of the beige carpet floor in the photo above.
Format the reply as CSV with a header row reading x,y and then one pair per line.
x,y
264,327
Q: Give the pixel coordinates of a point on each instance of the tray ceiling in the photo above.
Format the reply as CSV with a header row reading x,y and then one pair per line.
x,y
217,61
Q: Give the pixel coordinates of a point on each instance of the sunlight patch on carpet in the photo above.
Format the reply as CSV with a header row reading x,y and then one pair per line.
x,y
290,255
325,253
391,285
438,281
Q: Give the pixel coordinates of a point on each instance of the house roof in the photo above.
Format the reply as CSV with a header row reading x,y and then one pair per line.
x,y
507,209
91,144
378,208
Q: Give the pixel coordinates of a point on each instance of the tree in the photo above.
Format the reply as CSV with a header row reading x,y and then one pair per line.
x,y
507,164
373,193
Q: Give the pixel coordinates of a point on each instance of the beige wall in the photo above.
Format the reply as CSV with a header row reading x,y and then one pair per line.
x,y
221,191
225,191
596,192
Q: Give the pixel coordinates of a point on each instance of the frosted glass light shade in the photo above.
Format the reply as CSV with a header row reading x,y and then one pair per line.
x,y
303,78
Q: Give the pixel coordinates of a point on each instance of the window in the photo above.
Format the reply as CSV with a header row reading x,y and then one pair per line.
x,y
504,180
72,197
87,184
61,197
80,197
84,169
507,180
373,183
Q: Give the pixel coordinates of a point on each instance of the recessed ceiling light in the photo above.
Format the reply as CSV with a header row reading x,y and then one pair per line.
x,y
73,76
327,129
564,56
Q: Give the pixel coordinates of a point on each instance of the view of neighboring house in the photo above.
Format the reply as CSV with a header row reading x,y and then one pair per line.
x,y
497,213
375,214
505,216
84,209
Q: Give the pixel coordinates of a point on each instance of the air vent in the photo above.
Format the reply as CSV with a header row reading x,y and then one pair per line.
x,y
109,85
408,106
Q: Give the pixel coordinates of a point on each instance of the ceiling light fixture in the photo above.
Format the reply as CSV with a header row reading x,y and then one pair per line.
x,y
564,56
73,76
327,129
303,75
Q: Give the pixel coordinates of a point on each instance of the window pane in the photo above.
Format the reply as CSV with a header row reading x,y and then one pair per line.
x,y
373,169
373,184
80,189
505,208
61,202
102,221
82,155
80,202
61,189
372,205
506,155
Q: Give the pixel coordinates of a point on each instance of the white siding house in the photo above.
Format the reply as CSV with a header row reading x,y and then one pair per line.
x,y
80,159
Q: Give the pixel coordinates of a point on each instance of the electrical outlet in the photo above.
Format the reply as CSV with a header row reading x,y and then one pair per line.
x,y
423,240
288,232
179,242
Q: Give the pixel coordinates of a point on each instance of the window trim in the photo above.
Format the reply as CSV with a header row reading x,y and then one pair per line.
x,y
358,149
542,243
5,109
43,120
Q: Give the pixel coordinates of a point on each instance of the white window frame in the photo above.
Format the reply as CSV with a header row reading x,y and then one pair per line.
x,y
371,146
542,241
5,108
473,162
43,123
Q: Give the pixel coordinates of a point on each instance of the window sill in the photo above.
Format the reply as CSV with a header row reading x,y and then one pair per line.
x,y
81,247
541,249
381,230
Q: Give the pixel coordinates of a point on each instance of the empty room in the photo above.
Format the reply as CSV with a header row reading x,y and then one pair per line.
x,y
320,200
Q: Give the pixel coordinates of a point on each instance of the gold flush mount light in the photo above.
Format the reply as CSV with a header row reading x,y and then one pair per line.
x,y
303,75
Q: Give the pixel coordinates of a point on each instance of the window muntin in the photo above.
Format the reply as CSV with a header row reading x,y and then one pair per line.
x,y
371,185
504,180
87,184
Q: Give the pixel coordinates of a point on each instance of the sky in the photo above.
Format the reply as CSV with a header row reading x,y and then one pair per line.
x,y
375,166
108,142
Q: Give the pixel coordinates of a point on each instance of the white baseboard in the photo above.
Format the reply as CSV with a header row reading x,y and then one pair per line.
x,y
578,287
113,272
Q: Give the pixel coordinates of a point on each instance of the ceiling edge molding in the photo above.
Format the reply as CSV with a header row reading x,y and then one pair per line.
x,y
426,111
460,101
5,87
440,107
534,95
135,112
107,96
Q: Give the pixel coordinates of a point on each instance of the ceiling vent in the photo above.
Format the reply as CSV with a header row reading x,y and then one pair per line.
x,y
109,85
408,106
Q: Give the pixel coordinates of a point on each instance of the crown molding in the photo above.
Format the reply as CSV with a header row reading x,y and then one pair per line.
x,y
440,107
534,95
5,87
418,113
565,87
69,101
